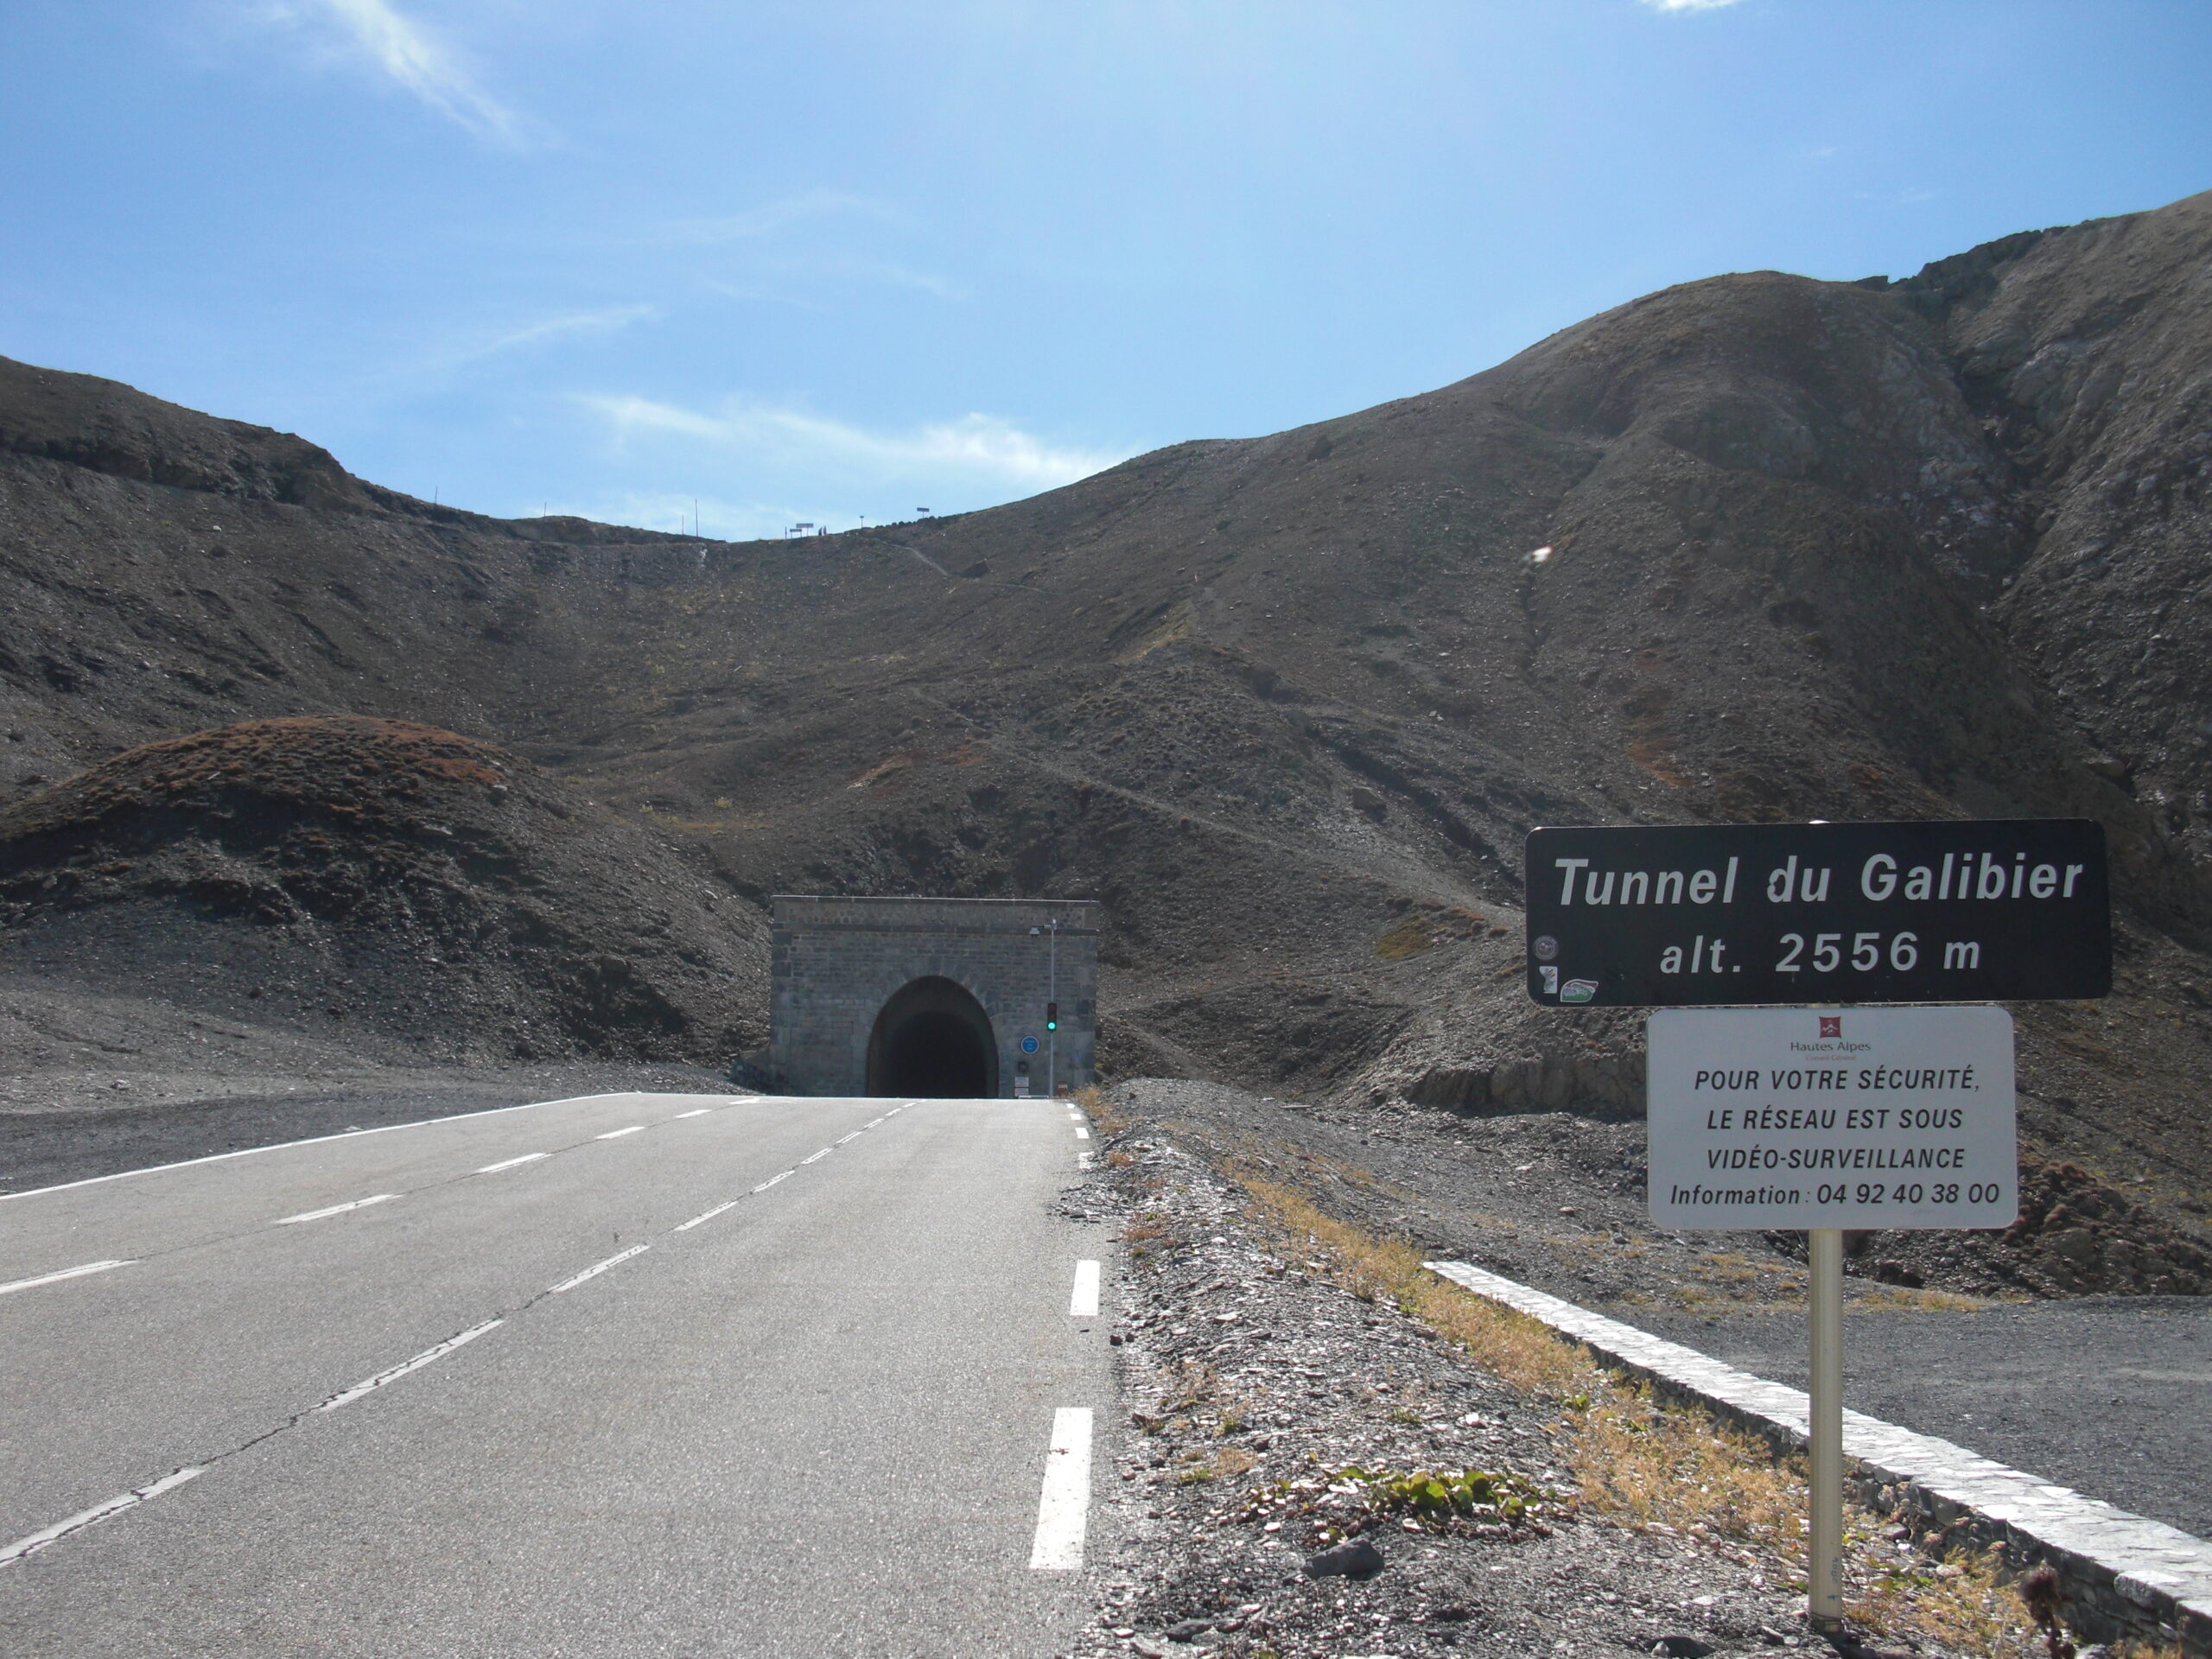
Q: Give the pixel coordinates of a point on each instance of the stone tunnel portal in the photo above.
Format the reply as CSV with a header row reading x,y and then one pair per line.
x,y
931,996
932,1039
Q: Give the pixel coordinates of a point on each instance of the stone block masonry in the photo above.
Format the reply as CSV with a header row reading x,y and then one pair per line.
x,y
922,995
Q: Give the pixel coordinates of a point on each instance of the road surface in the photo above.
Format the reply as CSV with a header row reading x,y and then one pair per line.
x,y
2109,1394
629,1375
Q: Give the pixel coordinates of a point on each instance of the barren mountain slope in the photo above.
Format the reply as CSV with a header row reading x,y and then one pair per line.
x,y
426,896
1289,704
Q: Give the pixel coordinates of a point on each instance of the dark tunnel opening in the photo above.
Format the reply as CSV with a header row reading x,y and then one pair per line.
x,y
933,1040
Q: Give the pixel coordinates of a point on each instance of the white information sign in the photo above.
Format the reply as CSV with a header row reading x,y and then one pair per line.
x,y
1857,1117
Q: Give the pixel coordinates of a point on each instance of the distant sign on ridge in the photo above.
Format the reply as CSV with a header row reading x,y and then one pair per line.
x,y
1709,914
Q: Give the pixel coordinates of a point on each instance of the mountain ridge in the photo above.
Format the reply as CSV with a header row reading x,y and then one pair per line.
x,y
1289,704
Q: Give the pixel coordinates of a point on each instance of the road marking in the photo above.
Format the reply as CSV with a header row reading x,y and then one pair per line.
x,y
596,1268
616,1135
1064,1507
98,1512
686,1226
1082,1134
383,1378
1084,1305
772,1180
824,1152
56,1278
701,1112
335,1209
513,1163
312,1140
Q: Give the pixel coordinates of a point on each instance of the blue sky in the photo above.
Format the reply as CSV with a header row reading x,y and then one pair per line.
x,y
834,262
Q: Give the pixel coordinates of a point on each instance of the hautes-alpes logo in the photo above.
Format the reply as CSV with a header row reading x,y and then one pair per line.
x,y
1831,1025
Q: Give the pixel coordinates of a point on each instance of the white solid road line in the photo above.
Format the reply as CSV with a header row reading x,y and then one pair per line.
x,y
98,1512
824,1152
772,1180
406,1365
598,1268
1084,1305
1064,1508
513,1163
686,1226
701,1112
616,1135
312,1140
56,1278
335,1209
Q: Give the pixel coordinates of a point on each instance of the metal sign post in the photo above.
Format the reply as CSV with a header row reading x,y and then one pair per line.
x,y
1824,1399
1834,1116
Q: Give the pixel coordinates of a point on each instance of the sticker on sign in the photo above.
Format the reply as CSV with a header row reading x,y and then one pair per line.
x,y
1853,1117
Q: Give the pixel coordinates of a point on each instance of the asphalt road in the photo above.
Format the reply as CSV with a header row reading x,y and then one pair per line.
x,y
2111,1396
817,1420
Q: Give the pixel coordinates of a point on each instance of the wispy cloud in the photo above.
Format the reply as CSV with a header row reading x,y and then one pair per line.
x,y
1690,5
412,54
605,321
975,448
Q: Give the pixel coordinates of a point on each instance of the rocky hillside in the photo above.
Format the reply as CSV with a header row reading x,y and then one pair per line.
x,y
429,895
1756,547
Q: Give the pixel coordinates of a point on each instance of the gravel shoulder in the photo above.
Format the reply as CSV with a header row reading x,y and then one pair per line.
x,y
1252,1377
1556,1200
1278,1410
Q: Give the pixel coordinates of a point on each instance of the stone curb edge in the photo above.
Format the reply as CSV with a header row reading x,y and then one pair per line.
x,y
2127,1575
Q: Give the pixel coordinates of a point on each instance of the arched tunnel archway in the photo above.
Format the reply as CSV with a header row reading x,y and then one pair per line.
x,y
933,1040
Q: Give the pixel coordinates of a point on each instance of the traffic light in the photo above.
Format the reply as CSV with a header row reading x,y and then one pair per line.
x,y
1052,1016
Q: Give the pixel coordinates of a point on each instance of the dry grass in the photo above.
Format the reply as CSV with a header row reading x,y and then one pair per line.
x,y
1522,1351
1104,1119
1646,1464
1892,1298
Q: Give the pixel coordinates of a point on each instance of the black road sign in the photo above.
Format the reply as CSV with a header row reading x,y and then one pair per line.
x,y
1701,914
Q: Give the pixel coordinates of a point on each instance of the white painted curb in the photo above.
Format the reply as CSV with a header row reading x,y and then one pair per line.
x,y
2123,1571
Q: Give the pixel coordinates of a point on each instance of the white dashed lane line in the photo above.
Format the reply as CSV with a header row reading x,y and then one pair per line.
x,y
701,1112
686,1226
98,1512
1083,1304
513,1163
383,1378
1082,1134
56,1278
1064,1507
855,1135
1057,1464
598,1268
335,1210
813,1157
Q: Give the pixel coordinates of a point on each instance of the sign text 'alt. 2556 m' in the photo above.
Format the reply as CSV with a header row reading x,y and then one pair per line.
x,y
1704,915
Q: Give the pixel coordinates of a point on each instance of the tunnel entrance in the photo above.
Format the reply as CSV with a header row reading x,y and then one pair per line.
x,y
933,1040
